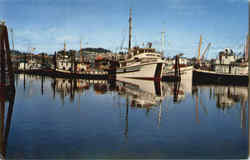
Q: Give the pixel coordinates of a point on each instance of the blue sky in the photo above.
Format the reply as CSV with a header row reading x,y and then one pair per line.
x,y
45,24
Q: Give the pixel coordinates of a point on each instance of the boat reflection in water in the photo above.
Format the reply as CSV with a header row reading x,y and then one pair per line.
x,y
226,97
141,93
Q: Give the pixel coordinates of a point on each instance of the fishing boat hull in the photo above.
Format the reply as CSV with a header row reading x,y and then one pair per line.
x,y
151,71
211,77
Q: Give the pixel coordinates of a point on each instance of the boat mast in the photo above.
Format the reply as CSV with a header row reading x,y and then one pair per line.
x,y
246,47
130,30
64,48
162,42
199,50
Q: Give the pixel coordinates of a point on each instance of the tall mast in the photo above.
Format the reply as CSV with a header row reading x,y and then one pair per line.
x,y
64,48
162,42
246,47
130,30
199,49
80,45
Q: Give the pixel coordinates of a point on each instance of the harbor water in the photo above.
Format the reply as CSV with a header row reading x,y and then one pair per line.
x,y
63,118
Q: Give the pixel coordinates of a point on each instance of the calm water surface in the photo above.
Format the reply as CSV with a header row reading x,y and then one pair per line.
x,y
60,118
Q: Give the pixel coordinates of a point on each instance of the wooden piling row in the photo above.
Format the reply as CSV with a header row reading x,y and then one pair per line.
x,y
177,72
7,75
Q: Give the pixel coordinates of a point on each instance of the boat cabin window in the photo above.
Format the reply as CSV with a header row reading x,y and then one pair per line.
x,y
143,50
137,59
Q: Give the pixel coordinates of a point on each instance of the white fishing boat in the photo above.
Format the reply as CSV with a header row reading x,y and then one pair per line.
x,y
145,63
140,63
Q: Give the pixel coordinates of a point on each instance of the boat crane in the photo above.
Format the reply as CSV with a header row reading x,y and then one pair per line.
x,y
200,56
205,51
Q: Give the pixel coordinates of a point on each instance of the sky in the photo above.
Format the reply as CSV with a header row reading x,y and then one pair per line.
x,y
46,24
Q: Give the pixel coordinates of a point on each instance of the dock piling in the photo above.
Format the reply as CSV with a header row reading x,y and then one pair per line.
x,y
7,76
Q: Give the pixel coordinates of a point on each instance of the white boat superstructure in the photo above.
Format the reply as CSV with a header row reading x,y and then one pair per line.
x,y
143,63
